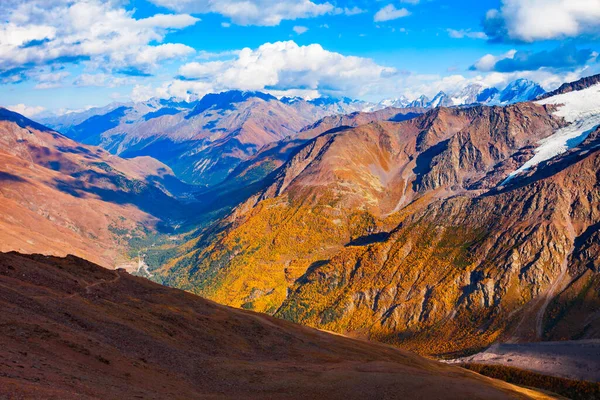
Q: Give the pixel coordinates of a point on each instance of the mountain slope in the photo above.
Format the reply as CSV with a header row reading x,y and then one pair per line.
x,y
346,184
204,144
71,329
410,233
60,197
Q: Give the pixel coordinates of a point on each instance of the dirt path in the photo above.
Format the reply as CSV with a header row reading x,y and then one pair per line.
x,y
103,282
89,286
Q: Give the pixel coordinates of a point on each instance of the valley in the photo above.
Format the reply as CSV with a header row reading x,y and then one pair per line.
x,y
299,199
452,232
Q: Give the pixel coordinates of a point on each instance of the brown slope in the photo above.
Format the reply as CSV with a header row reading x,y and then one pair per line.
x,y
390,230
274,155
60,197
467,271
71,329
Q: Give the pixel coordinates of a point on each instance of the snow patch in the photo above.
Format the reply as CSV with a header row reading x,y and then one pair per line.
x,y
581,109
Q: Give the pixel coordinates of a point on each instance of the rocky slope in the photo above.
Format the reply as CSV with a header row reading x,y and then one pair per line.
x,y
202,141
409,232
58,196
71,329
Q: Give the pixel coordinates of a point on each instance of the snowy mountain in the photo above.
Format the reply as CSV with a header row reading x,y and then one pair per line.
x,y
441,100
398,102
422,101
469,95
515,92
518,91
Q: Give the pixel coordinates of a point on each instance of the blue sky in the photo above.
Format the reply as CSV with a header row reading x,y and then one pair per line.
x,y
58,55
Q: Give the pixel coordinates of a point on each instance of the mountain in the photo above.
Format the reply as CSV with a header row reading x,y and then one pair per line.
x,y
345,105
441,100
581,84
442,233
398,102
273,156
60,197
472,94
204,141
517,91
72,329
421,102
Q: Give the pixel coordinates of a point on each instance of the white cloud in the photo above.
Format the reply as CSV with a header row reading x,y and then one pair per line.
x,y
489,61
300,29
28,111
466,33
102,80
531,20
281,67
251,12
151,55
206,70
225,24
49,80
389,13
350,11
39,32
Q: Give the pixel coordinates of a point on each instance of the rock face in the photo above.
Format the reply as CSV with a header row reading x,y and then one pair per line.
x,y
407,232
73,330
58,196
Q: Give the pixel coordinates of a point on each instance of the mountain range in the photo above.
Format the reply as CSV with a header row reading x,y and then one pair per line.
x,y
438,226
428,233
205,140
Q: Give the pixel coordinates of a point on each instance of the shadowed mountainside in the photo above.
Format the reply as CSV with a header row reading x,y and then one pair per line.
x,y
409,233
71,329
59,197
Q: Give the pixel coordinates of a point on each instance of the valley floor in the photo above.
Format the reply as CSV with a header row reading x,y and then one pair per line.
x,y
574,359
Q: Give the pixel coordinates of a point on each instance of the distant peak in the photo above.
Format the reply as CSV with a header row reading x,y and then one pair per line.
x,y
226,100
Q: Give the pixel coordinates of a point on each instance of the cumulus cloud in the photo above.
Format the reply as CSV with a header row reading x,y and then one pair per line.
x,y
42,32
28,111
252,12
300,29
466,33
280,67
563,57
531,20
390,12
